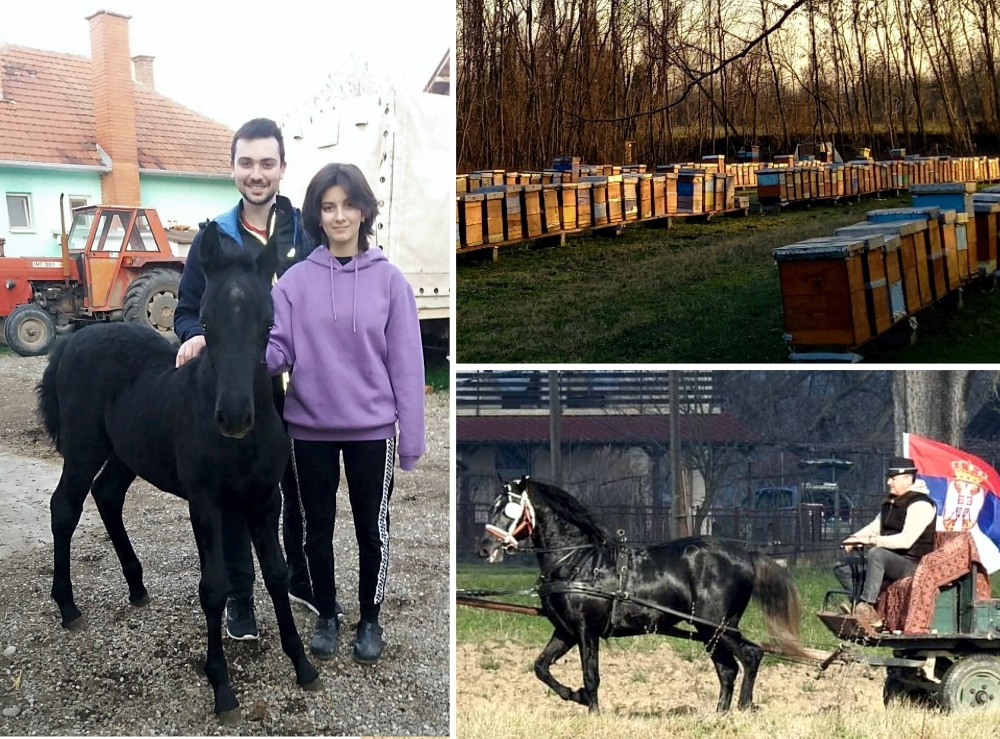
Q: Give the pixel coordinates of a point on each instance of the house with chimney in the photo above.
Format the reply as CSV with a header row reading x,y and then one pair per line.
x,y
96,130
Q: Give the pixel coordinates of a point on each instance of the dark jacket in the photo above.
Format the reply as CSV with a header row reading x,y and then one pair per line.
x,y
894,516
294,245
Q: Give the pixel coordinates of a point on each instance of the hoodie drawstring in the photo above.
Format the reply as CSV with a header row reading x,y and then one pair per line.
x,y
333,298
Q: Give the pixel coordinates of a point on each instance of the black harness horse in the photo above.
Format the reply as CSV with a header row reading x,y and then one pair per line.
x,y
593,587
116,408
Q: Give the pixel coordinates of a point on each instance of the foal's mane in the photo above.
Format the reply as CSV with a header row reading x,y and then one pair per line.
x,y
569,508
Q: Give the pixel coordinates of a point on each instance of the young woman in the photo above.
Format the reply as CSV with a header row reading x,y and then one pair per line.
x,y
345,325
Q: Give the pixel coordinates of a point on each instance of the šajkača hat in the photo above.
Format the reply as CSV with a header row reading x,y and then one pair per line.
x,y
901,466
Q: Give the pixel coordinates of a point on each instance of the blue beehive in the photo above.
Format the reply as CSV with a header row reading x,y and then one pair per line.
x,y
956,196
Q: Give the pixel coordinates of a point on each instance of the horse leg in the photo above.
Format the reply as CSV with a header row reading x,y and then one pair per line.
x,y
66,507
206,520
263,526
750,656
589,661
109,493
558,645
726,668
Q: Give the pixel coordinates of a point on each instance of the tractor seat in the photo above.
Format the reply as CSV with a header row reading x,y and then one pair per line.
x,y
907,605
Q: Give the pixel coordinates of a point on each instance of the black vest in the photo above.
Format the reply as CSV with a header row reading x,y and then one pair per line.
x,y
894,515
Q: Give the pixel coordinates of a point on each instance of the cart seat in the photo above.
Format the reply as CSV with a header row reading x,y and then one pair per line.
x,y
907,605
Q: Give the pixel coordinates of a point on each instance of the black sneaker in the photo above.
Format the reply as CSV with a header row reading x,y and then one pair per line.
x,y
240,621
368,645
325,638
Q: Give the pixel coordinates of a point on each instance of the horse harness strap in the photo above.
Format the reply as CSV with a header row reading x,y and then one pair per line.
x,y
622,559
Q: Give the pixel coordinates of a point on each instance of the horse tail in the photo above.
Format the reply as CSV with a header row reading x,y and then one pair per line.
x,y
48,398
778,598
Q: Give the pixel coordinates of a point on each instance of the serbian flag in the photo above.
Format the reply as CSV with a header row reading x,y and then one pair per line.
x,y
965,490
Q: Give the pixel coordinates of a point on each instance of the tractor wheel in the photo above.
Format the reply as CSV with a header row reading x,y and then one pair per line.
x,y
151,299
29,330
972,682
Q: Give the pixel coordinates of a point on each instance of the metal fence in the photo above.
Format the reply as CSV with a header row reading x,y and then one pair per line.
x,y
804,530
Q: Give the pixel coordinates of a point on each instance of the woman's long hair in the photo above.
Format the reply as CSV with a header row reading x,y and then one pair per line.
x,y
359,193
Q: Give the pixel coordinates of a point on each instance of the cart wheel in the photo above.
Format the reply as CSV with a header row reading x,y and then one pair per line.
x,y
972,682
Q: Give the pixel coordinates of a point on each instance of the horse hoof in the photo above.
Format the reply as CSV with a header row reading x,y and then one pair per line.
x,y
313,686
232,717
140,602
77,624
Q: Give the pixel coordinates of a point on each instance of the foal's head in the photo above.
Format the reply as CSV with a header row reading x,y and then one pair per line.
x,y
236,315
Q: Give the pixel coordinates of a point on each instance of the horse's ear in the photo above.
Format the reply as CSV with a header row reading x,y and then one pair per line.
x,y
211,252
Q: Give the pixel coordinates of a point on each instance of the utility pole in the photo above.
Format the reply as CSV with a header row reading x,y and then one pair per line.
x,y
678,512
555,428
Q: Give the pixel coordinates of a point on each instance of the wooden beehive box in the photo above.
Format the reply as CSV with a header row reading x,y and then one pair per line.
x,y
933,255
552,209
659,204
598,192
584,207
909,254
568,203
470,220
644,196
884,274
616,198
531,210
493,217
630,197
965,245
987,215
690,186
670,193
823,292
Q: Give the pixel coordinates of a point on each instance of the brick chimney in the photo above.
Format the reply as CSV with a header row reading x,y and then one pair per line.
x,y
144,70
114,106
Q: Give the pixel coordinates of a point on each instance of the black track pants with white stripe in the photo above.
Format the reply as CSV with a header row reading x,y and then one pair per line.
x,y
368,466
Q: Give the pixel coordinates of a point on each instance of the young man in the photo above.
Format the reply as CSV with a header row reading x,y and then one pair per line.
x,y
900,535
258,159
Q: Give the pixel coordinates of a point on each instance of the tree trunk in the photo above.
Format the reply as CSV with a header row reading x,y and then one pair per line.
x,y
931,403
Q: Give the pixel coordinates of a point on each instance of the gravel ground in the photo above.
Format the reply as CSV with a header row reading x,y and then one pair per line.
x,y
138,671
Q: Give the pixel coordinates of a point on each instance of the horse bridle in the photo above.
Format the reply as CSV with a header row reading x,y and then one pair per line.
x,y
521,513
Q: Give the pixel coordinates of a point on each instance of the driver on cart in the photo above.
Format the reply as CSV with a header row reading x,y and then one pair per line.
x,y
899,536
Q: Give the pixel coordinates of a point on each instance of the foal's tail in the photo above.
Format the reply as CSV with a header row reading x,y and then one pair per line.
x,y
775,592
48,398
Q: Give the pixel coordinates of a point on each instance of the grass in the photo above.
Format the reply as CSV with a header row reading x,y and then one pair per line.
x,y
706,293
5,350
477,625
437,373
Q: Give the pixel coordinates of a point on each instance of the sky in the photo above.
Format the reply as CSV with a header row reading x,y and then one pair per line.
x,y
265,59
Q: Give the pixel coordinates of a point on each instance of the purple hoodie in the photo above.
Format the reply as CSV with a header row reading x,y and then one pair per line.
x,y
349,333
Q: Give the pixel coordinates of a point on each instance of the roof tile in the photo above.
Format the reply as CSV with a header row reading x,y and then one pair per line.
x,y
47,116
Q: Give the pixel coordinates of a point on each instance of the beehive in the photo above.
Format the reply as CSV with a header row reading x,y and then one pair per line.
x,y
470,220
823,292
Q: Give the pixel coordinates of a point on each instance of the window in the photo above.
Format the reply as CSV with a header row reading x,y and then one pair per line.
x,y
19,211
78,201
141,238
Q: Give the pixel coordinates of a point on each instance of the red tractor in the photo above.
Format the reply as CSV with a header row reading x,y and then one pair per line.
x,y
116,264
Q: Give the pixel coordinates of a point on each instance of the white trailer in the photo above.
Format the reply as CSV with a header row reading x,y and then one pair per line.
x,y
404,144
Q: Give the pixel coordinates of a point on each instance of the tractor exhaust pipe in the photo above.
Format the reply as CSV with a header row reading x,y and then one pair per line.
x,y
63,239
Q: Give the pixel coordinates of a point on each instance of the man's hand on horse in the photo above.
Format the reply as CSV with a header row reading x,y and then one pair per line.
x,y
190,349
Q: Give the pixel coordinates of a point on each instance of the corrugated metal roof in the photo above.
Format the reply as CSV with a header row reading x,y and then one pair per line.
x,y
603,429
